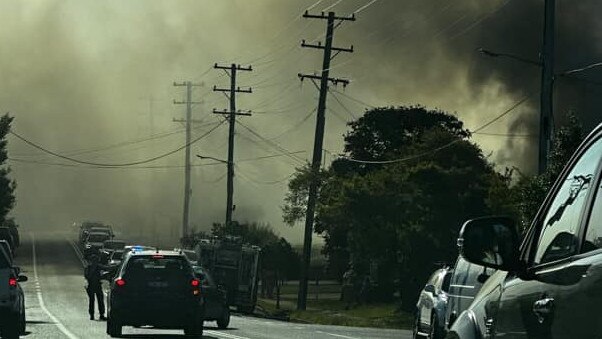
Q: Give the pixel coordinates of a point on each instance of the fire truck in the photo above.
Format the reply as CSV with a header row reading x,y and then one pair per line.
x,y
234,266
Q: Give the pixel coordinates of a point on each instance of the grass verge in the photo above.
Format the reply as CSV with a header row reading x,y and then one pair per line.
x,y
333,312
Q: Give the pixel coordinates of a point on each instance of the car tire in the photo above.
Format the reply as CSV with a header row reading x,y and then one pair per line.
x,y
416,327
114,328
11,330
23,323
434,332
195,329
224,320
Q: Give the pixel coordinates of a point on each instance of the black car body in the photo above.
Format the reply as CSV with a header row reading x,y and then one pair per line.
x,y
466,281
216,301
432,305
12,300
551,285
156,288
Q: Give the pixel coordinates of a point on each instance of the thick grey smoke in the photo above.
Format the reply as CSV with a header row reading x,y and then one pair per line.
x,y
82,74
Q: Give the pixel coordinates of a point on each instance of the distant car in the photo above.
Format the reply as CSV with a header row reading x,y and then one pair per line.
x,y
466,281
84,229
103,229
216,301
156,288
113,245
6,234
115,260
12,300
432,306
94,243
108,247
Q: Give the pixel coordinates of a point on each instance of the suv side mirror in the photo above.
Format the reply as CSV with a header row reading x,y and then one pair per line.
x,y
491,242
430,289
22,278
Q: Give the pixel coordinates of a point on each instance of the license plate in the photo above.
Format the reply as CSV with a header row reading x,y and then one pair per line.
x,y
157,284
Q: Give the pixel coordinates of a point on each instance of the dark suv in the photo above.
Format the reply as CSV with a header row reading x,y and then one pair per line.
x,y
156,288
551,285
12,300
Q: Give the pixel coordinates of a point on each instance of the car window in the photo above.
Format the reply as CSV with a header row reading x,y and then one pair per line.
x,y
593,237
558,238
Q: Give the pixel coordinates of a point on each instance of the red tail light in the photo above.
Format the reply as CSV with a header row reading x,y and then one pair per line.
x,y
195,286
12,282
120,282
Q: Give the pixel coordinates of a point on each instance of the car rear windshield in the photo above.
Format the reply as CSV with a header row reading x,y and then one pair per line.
x,y
4,261
114,245
97,237
157,266
117,255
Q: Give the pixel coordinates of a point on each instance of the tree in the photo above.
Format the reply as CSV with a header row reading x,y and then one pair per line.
x,y
7,185
400,217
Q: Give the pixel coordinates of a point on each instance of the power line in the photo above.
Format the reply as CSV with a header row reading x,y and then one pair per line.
x,y
272,144
352,98
41,162
45,150
295,126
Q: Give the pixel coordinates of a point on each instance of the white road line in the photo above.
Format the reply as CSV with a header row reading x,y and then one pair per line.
x,y
56,321
336,335
224,335
77,253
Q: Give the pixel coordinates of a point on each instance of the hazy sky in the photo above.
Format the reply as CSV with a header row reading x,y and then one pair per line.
x,y
93,78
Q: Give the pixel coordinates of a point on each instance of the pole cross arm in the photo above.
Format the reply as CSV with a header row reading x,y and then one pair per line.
x,y
237,90
335,81
227,112
193,84
229,67
325,16
320,46
175,102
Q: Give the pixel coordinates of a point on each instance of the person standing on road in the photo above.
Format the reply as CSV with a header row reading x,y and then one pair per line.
x,y
93,276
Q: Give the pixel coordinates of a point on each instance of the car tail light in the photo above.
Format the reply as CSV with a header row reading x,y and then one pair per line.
x,y
12,282
195,283
120,282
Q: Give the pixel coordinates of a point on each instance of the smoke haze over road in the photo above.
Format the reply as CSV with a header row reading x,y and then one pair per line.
x,y
79,75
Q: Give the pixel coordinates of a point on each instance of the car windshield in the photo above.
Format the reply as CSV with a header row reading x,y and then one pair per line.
x,y
116,255
153,266
97,237
113,245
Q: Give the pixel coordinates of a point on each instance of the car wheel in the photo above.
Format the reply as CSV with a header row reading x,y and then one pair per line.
x,y
434,332
114,328
195,329
416,327
11,330
22,322
224,320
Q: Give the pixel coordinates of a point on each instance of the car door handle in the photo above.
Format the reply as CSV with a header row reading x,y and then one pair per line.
x,y
543,307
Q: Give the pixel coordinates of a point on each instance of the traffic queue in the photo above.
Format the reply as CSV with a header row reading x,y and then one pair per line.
x,y
148,286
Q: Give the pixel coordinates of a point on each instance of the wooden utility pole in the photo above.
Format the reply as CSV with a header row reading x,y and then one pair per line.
x,y
232,113
319,139
547,84
187,189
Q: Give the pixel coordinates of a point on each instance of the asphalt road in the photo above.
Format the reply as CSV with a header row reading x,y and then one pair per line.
x,y
57,303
